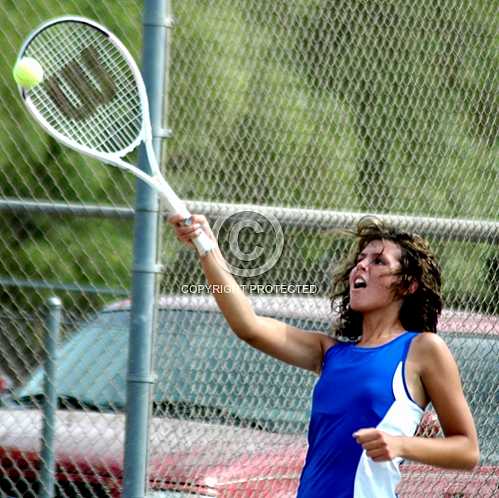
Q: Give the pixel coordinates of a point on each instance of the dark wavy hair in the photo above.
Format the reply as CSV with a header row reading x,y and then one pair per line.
x,y
420,309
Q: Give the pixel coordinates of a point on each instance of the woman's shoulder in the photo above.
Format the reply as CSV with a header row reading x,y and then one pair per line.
x,y
428,342
428,348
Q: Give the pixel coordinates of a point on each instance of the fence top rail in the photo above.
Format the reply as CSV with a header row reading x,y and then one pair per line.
x,y
442,228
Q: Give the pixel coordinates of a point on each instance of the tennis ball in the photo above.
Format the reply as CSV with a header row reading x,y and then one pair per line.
x,y
27,72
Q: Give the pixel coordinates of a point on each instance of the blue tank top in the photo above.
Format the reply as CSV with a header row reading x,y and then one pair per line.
x,y
359,387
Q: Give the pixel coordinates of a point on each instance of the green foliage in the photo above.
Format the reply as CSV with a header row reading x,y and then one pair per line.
x,y
236,103
383,106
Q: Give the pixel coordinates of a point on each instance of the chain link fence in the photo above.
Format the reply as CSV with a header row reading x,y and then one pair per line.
x,y
289,121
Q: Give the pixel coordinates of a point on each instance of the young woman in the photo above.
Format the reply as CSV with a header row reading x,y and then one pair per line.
x,y
378,372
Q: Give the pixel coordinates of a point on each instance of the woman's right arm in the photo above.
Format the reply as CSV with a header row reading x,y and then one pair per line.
x,y
278,339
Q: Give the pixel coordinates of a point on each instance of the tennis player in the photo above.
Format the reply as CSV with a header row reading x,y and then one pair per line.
x,y
378,371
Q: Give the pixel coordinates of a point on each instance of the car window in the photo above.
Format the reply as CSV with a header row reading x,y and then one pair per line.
x,y
91,364
477,358
204,362
203,371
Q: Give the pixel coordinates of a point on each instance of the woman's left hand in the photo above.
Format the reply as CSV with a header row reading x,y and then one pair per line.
x,y
379,445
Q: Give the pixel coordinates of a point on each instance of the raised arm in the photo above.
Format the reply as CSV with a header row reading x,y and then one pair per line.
x,y
278,339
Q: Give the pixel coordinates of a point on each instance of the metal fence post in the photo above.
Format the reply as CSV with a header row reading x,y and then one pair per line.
x,y
47,471
139,377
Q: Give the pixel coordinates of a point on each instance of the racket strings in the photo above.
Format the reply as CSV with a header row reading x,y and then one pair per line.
x,y
55,56
90,94
127,111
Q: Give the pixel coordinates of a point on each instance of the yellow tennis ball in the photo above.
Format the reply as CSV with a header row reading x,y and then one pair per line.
x,y
28,72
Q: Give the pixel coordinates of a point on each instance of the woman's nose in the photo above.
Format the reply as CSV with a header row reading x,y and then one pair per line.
x,y
362,264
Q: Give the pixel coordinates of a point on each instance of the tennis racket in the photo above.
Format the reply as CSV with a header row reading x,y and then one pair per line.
x,y
93,99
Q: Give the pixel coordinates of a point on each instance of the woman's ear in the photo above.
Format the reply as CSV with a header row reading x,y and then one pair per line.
x,y
413,287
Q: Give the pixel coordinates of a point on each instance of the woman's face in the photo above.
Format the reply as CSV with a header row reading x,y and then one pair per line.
x,y
372,278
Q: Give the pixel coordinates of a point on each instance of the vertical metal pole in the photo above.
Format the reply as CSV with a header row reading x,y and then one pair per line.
x,y
139,378
47,471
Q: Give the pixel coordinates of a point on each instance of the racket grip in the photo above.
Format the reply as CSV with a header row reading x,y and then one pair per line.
x,y
203,244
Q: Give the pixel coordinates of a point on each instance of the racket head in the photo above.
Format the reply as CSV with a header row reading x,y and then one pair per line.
x,y
92,98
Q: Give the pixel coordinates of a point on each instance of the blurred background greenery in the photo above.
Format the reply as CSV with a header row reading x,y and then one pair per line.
x,y
375,107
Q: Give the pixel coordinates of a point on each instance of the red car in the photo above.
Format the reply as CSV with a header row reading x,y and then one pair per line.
x,y
227,421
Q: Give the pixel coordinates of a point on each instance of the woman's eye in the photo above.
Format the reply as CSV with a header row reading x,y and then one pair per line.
x,y
378,261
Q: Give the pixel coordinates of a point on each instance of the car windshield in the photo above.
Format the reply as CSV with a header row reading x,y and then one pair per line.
x,y
202,372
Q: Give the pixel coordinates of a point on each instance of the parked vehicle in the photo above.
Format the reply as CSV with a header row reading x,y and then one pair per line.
x,y
227,420
6,383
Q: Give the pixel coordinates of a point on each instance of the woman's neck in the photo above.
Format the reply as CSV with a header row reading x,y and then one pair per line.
x,y
380,326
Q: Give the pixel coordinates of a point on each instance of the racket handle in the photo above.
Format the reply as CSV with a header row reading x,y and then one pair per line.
x,y
203,244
